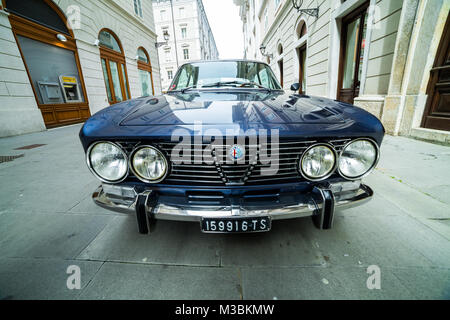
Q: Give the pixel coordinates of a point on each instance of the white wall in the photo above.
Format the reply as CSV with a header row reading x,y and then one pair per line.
x,y
19,112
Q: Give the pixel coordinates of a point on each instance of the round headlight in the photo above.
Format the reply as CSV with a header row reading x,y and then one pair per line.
x,y
107,161
358,158
149,164
318,162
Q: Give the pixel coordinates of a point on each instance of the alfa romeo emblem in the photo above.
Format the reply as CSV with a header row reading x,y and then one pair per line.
x,y
236,152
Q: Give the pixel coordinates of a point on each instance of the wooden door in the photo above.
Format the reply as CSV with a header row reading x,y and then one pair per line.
x,y
437,110
354,28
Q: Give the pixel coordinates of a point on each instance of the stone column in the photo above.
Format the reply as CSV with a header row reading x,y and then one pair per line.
x,y
409,71
394,98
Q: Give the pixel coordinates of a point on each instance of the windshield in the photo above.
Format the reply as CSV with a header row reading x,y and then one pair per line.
x,y
224,74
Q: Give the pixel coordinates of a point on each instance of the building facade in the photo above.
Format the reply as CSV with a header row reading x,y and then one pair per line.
x,y
390,57
61,61
190,39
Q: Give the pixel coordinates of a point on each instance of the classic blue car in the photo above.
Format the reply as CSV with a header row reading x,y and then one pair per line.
x,y
228,148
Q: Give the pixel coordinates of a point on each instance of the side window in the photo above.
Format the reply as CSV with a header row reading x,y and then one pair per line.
x,y
185,79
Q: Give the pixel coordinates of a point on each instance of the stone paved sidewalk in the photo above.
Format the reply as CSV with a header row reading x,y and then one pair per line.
x,y
48,222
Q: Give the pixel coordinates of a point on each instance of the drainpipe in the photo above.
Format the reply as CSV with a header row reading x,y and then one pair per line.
x,y
174,33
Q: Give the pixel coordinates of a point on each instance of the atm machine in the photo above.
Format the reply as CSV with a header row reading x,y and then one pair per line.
x,y
70,89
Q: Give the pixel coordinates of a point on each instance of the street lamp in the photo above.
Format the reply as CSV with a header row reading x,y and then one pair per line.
x,y
263,52
166,37
297,4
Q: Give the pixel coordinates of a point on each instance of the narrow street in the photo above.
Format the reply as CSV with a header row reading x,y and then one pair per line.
x,y
49,222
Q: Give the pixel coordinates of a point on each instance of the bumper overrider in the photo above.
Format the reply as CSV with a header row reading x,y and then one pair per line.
x,y
149,205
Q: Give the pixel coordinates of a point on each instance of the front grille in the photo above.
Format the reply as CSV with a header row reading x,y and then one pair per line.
x,y
222,172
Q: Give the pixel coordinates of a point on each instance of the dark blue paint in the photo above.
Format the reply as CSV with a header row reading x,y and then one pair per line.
x,y
295,116
299,116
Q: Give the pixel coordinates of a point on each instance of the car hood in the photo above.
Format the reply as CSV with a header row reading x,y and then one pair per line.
x,y
233,108
230,112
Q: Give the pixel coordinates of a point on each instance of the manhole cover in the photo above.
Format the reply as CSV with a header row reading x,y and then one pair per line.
x,y
31,146
10,158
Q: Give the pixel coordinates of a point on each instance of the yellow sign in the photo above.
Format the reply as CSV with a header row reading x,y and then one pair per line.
x,y
69,79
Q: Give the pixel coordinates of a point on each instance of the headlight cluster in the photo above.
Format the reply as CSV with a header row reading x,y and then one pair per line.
x,y
357,159
110,164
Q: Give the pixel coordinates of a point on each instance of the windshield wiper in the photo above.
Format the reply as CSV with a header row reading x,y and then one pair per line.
x,y
188,88
220,84
251,83
242,84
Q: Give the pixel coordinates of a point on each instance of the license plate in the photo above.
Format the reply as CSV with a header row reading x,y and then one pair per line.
x,y
235,225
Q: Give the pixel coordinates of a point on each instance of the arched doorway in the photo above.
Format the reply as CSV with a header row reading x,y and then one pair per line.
x,y
301,31
145,72
49,52
113,66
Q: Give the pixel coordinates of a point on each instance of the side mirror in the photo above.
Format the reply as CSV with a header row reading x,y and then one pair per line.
x,y
295,86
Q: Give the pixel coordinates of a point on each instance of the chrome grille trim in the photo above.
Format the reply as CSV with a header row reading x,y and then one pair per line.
x,y
223,173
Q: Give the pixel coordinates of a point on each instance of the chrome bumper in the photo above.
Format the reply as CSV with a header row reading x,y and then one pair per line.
x,y
321,201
